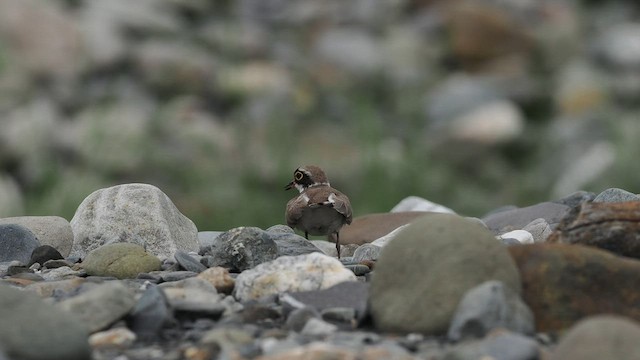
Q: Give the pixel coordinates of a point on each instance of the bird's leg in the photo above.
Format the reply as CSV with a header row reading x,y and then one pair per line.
x,y
306,235
338,244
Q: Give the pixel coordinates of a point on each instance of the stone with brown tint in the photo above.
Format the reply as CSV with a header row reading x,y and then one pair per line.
x,y
565,283
220,278
610,226
367,228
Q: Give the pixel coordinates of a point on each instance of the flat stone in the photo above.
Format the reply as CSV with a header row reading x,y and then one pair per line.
x,y
427,255
188,263
132,213
367,228
557,278
100,306
351,295
518,218
34,330
500,345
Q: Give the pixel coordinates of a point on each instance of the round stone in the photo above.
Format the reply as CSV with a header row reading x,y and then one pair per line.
x,y
421,276
121,260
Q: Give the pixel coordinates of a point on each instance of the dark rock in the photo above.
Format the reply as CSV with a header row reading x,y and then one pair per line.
x,y
44,253
188,263
339,315
576,198
350,294
358,269
243,248
600,337
409,289
610,226
517,219
488,306
16,243
558,280
34,330
150,314
169,276
289,243
49,230
616,195
121,260
18,269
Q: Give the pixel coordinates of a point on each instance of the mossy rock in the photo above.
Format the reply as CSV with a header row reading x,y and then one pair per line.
x,y
121,260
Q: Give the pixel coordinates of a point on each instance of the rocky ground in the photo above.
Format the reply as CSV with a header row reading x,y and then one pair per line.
x,y
130,277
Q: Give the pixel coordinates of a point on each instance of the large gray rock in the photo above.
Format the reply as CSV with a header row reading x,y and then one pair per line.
x,y
600,337
309,272
121,260
16,243
488,306
33,330
100,306
423,273
50,230
517,219
289,243
133,213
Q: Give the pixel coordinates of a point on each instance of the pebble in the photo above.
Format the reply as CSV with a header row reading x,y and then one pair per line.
x,y
521,236
188,263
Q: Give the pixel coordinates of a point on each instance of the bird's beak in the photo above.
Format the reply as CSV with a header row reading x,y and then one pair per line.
x,y
289,186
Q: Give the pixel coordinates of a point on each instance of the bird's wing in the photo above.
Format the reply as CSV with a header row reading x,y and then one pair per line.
x,y
342,205
295,207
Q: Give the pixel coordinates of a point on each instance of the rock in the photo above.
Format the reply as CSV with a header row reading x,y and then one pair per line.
x,y
366,252
576,198
383,241
600,337
16,243
312,351
133,213
616,195
219,277
291,273
49,230
352,50
318,328
121,260
491,124
416,203
101,305
489,306
557,279
518,218
117,338
425,300
326,247
501,345
612,226
34,330
193,297
350,294
60,273
188,263
150,314
50,288
207,239
44,253
539,230
243,248
291,244
367,228
227,339
522,236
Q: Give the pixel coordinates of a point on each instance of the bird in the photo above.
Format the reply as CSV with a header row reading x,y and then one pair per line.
x,y
319,209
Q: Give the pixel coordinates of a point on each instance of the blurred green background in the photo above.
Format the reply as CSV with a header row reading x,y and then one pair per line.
x,y
470,104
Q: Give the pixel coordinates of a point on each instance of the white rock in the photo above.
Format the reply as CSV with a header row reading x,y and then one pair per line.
x,y
524,237
415,203
317,327
390,236
308,272
50,230
494,123
133,213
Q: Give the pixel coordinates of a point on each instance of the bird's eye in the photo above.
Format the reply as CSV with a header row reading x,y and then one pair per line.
x,y
298,175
